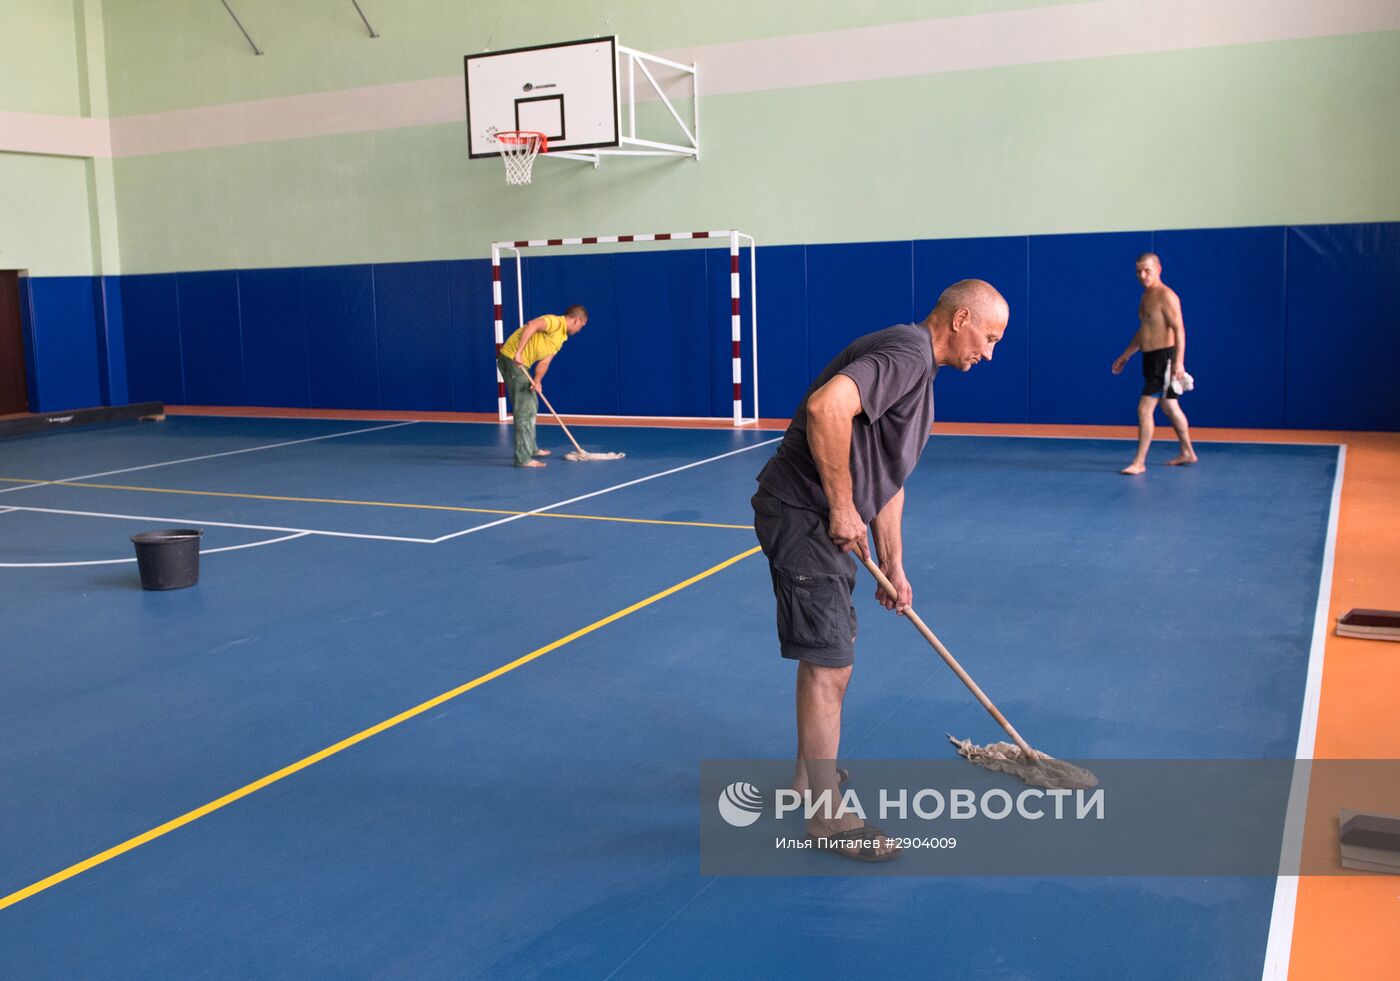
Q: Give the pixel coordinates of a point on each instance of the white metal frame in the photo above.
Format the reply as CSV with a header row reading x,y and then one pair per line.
x,y
735,317
629,144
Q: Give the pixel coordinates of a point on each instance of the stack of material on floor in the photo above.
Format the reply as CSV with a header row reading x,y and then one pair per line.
x,y
1370,842
1370,624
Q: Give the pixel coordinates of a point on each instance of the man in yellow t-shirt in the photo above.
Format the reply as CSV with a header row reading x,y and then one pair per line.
x,y
534,344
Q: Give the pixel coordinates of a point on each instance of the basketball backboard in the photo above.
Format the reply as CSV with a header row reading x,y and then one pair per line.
x,y
566,90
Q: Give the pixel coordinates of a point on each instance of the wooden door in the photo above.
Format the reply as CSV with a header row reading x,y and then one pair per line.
x,y
13,397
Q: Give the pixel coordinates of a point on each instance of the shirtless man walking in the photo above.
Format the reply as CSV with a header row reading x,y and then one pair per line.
x,y
1161,337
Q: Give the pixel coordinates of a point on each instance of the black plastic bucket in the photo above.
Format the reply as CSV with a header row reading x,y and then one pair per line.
x,y
168,559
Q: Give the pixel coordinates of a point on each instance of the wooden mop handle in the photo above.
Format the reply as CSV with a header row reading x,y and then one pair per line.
x,y
540,393
951,661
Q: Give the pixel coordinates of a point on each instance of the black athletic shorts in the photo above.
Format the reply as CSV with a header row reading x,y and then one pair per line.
x,y
812,582
1157,373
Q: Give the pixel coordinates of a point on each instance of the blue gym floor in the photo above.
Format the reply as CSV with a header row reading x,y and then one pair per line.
x,y
544,822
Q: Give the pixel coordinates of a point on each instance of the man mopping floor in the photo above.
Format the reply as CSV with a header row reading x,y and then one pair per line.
x,y
841,467
535,344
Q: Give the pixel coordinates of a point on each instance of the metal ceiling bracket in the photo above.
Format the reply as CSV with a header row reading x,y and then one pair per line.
x,y
251,42
368,25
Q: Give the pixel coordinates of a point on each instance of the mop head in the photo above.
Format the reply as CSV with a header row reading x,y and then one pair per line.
x,y
1042,771
577,455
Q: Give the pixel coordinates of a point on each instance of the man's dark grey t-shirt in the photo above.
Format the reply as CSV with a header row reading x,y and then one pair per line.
x,y
893,369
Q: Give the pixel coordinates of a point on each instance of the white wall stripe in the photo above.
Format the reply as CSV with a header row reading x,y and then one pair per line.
x,y
1042,35
59,136
1098,29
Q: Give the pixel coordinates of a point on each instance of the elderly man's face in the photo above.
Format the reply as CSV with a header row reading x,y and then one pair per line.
x,y
974,341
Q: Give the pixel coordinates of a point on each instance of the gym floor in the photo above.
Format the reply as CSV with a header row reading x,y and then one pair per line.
x,y
430,715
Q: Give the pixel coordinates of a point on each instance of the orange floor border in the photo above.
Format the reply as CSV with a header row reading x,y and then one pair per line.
x,y
1345,926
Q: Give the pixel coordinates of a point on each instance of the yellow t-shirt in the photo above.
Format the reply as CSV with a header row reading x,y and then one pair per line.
x,y
542,344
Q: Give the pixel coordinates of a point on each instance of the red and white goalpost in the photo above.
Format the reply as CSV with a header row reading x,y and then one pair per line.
x,y
734,237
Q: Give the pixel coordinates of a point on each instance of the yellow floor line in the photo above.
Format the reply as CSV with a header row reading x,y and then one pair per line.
x,y
359,737
376,504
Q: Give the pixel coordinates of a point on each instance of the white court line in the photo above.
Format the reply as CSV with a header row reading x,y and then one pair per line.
x,y
359,535
228,524
208,456
203,551
1165,440
1279,949
605,490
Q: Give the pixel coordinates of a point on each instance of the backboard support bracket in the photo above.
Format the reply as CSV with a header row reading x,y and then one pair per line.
x,y
583,95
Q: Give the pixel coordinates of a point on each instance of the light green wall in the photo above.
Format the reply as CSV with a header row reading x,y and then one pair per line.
x,y
38,56
1292,132
57,214
1297,131
175,54
44,215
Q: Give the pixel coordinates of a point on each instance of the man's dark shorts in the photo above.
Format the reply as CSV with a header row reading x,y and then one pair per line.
x,y
812,582
1157,371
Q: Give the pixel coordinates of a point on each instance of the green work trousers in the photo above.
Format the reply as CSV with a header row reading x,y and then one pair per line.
x,y
524,403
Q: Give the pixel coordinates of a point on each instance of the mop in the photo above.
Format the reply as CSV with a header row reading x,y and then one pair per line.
x,y
1018,759
578,452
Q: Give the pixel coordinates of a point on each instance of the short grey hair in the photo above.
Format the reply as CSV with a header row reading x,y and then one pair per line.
x,y
979,297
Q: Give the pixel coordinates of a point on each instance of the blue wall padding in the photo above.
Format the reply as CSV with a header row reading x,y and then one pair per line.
x,y
1343,331
510,316
26,326
1082,313
64,365
782,329
663,333
102,340
272,305
111,339
211,338
151,316
853,290
1286,327
999,390
1231,284
469,338
412,312
342,349
586,377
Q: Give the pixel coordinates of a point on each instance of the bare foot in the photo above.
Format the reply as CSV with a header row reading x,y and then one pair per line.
x,y
543,452
1134,468
532,463
1182,461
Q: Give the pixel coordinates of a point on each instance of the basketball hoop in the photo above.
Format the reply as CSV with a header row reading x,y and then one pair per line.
x,y
518,149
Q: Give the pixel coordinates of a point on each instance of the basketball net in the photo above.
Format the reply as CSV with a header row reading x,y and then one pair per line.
x,y
518,151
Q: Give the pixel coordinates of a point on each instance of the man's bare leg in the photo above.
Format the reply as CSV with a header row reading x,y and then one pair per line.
x,y
820,694
1183,433
1146,427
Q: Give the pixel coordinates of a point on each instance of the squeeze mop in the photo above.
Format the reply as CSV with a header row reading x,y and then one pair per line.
x,y
1029,765
578,452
